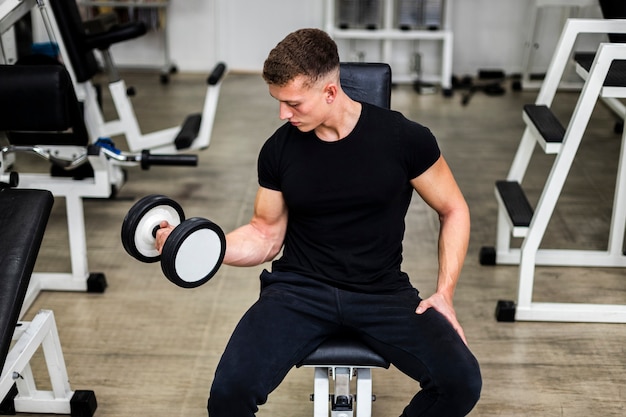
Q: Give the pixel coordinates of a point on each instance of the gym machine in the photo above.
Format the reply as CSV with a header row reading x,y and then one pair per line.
x,y
77,50
42,116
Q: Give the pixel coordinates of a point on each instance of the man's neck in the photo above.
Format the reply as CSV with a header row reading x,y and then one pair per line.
x,y
344,116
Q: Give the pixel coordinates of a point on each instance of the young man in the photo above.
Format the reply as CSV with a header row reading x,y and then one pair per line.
x,y
335,185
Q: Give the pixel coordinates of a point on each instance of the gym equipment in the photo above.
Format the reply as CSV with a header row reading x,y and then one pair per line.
x,y
192,253
603,74
488,81
41,115
77,50
22,224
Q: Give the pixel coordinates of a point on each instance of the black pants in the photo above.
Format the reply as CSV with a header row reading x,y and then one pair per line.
x,y
294,314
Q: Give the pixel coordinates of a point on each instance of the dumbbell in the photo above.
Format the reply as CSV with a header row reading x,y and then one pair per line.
x,y
192,253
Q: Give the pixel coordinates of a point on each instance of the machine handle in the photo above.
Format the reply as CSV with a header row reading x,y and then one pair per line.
x,y
148,159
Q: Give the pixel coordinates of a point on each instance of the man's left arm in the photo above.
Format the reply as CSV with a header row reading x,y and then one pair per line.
x,y
440,191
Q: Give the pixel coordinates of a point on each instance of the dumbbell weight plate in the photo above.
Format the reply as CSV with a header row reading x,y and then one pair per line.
x,y
141,221
193,252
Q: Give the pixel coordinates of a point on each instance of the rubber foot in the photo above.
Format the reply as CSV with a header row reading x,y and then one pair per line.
x,y
505,311
83,404
487,255
96,283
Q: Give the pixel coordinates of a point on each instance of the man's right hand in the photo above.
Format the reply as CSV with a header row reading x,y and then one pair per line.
x,y
161,235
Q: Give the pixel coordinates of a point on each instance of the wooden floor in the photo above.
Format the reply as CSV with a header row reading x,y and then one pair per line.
x,y
148,348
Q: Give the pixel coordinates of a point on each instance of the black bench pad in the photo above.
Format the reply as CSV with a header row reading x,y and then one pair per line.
x,y
617,71
344,350
23,218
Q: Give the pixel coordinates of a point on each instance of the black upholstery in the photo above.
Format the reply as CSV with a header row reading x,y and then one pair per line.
x,y
344,350
80,44
23,219
368,82
614,9
611,9
40,101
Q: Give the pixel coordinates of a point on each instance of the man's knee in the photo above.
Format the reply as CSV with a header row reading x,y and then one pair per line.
x,y
463,387
233,398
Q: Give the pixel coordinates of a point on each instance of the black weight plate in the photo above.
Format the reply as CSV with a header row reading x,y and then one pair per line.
x,y
140,221
193,252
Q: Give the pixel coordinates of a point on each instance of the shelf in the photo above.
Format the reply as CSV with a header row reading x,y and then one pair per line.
x,y
392,34
128,4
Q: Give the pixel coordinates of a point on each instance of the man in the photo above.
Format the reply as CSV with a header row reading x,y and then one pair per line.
x,y
336,181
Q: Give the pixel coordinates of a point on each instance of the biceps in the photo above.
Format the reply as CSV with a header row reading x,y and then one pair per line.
x,y
270,214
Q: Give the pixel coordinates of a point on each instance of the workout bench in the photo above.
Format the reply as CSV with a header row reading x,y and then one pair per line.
x,y
23,218
343,357
604,75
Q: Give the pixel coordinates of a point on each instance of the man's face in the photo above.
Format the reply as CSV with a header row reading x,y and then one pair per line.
x,y
304,106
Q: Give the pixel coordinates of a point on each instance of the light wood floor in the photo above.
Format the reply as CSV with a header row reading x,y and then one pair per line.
x,y
148,348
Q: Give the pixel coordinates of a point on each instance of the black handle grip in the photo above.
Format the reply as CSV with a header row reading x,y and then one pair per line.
x,y
148,159
216,74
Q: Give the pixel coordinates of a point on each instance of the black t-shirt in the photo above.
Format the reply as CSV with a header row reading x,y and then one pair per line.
x,y
347,199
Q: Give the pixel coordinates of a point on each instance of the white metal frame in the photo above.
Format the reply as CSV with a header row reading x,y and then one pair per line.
x,y
73,191
161,141
529,255
28,337
342,375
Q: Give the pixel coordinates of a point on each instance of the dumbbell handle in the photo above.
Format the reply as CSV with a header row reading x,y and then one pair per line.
x,y
148,159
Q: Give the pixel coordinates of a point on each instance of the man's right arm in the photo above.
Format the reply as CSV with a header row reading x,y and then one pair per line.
x,y
262,238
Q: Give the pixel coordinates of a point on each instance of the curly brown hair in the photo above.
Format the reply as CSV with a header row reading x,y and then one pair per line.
x,y
308,52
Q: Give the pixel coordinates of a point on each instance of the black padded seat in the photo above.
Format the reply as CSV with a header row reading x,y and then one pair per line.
x,y
344,350
23,219
39,106
80,44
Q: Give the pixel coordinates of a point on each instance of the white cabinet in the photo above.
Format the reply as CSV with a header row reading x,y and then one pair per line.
x,y
390,26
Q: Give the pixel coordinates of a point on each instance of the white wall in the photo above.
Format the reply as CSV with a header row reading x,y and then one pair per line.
x,y
487,34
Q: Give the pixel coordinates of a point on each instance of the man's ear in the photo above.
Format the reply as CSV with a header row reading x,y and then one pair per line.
x,y
330,92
